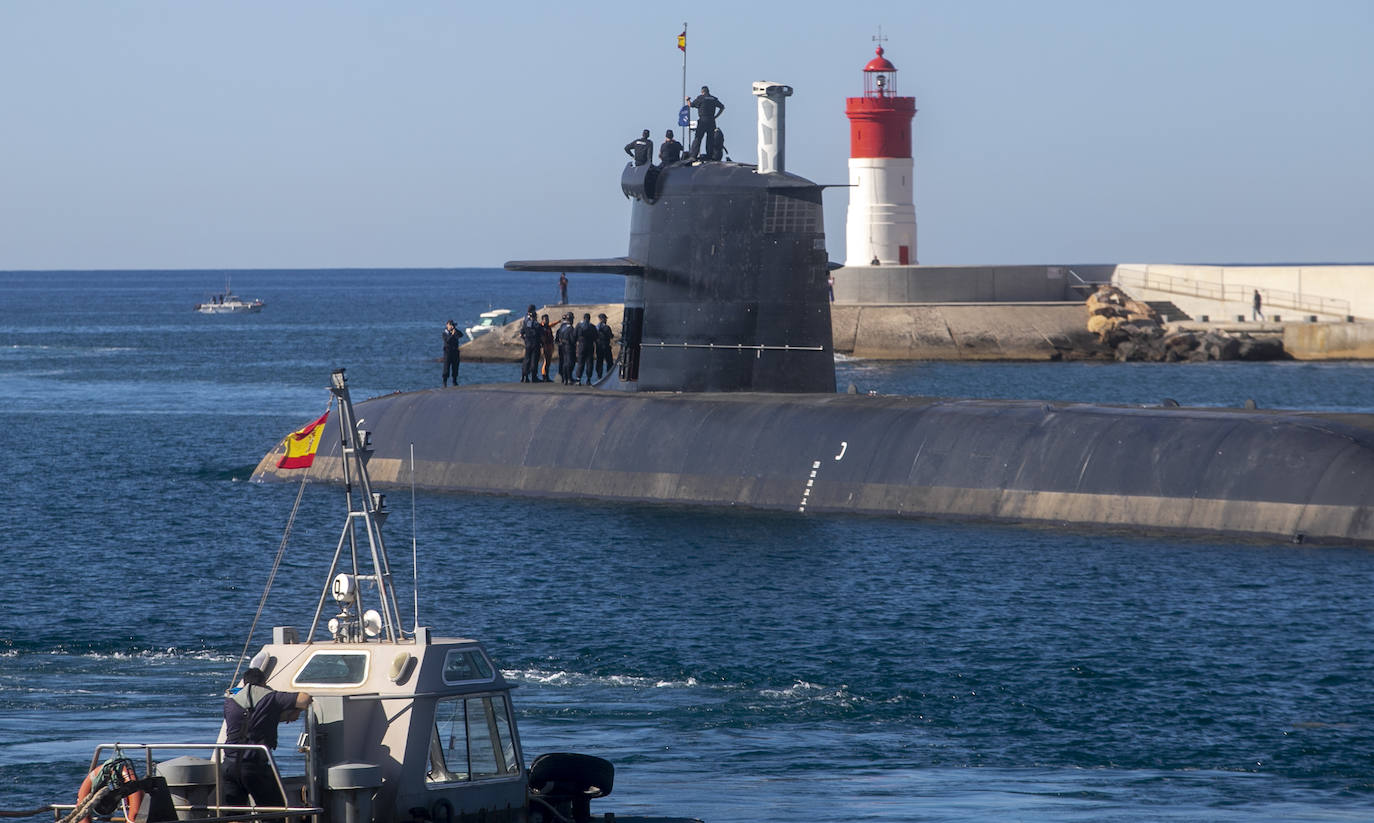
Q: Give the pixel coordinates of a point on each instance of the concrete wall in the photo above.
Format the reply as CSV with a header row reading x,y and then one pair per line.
x,y
963,284
1329,341
964,331
1330,292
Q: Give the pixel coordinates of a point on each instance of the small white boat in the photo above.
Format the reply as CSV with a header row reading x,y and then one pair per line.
x,y
489,320
226,302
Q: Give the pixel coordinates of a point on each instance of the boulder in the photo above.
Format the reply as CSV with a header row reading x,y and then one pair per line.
x,y
1101,325
1135,307
1262,348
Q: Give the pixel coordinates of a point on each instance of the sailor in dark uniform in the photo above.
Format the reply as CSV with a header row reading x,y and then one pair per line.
x,y
604,336
708,109
586,348
533,336
671,150
566,337
715,145
641,149
452,339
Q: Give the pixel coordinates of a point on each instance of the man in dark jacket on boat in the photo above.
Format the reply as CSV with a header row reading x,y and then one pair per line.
x,y
251,715
641,149
452,339
586,348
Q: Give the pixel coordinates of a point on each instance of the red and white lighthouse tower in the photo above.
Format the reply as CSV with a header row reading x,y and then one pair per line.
x,y
881,225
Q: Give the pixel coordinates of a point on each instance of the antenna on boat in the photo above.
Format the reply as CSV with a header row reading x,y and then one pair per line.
x,y
414,553
353,623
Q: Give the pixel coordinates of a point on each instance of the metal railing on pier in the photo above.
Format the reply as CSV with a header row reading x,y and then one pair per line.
x,y
1129,277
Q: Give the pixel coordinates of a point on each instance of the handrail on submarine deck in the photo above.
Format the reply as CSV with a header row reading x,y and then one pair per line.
x,y
730,346
236,814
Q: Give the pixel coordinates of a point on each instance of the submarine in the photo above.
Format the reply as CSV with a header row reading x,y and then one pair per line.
x,y
724,394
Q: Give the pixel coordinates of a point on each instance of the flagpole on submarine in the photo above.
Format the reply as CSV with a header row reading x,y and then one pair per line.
x,y
682,44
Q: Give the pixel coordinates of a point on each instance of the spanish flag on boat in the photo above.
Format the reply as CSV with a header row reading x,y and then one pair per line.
x,y
301,445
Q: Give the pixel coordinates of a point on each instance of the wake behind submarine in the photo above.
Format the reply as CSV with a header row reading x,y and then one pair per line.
x,y
725,396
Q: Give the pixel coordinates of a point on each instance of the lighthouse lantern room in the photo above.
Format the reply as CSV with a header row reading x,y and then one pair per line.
x,y
880,228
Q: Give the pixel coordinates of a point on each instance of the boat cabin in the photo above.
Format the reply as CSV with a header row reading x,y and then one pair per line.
x,y
489,320
425,725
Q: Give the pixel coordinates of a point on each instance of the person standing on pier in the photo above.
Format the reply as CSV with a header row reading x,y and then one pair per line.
x,y
1257,312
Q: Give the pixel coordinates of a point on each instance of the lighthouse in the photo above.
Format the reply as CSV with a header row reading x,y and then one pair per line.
x,y
880,228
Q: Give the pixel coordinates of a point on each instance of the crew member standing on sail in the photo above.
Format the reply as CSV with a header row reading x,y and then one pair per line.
x,y
641,149
251,715
671,150
452,338
708,109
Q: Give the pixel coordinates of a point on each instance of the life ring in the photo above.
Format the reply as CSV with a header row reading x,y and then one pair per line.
x,y
131,803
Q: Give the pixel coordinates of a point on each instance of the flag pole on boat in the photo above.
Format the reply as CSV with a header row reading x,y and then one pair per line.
x,y
414,553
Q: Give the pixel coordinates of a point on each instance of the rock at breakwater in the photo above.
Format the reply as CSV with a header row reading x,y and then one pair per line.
x,y
1134,332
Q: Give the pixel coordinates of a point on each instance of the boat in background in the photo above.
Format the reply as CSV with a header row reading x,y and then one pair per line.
x,y
490,320
403,726
226,302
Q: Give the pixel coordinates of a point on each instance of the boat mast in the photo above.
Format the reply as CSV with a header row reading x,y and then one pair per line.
x,y
366,511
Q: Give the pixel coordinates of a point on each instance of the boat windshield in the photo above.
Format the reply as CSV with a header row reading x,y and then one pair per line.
x,y
333,668
467,666
472,740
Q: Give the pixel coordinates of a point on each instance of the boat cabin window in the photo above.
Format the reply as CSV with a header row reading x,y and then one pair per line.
x,y
333,668
473,740
467,666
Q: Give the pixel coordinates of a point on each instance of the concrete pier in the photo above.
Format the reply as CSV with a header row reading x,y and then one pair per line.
x,y
983,331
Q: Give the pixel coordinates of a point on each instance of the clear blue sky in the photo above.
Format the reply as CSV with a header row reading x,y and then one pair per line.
x,y
178,134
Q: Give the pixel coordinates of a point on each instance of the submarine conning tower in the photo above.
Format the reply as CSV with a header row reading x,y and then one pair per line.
x,y
726,273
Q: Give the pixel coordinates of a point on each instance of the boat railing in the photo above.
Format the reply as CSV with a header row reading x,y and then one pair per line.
x,y
214,810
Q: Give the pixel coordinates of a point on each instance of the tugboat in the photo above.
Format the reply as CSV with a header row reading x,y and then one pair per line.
x,y
226,302
403,726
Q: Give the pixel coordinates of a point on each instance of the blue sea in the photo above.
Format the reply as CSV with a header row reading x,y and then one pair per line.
x,y
735,665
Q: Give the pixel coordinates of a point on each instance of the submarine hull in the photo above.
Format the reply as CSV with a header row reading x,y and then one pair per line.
x,y
1268,474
